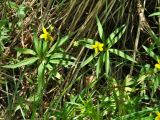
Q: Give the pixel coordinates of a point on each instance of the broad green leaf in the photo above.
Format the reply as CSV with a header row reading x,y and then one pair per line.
x,y
151,53
154,14
26,61
100,29
99,65
36,44
40,48
26,51
88,60
107,62
36,97
44,47
122,54
59,43
41,78
115,36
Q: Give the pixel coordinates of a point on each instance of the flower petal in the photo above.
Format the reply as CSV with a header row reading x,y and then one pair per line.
x,y
93,46
96,43
101,45
96,51
158,113
157,66
157,118
50,38
44,30
101,49
42,36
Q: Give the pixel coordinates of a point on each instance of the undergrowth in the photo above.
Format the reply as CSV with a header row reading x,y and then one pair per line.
x,y
79,60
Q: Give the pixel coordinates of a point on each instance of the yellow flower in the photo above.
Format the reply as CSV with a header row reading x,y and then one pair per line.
x,y
158,65
46,35
98,47
158,116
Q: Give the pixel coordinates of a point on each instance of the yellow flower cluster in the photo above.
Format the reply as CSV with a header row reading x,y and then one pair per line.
x,y
46,35
158,116
98,47
158,65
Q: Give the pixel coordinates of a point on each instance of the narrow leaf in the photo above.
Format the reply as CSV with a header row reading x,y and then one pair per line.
x,y
36,44
99,65
100,29
26,51
87,61
154,14
44,47
107,62
115,36
61,62
26,61
41,79
151,53
62,56
59,43
121,54
87,42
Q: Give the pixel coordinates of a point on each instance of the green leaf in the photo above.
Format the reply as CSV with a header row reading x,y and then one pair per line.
x,y
41,79
151,53
36,44
61,56
59,43
99,65
21,110
88,60
36,97
154,37
12,5
44,47
26,61
61,62
154,14
21,11
122,54
156,83
26,51
115,36
86,42
100,29
107,62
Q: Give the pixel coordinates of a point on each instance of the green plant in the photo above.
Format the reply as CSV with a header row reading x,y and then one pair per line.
x,y
103,50
46,57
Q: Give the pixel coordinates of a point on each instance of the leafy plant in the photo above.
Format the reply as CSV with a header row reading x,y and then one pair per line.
x,y
103,50
46,57
4,34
